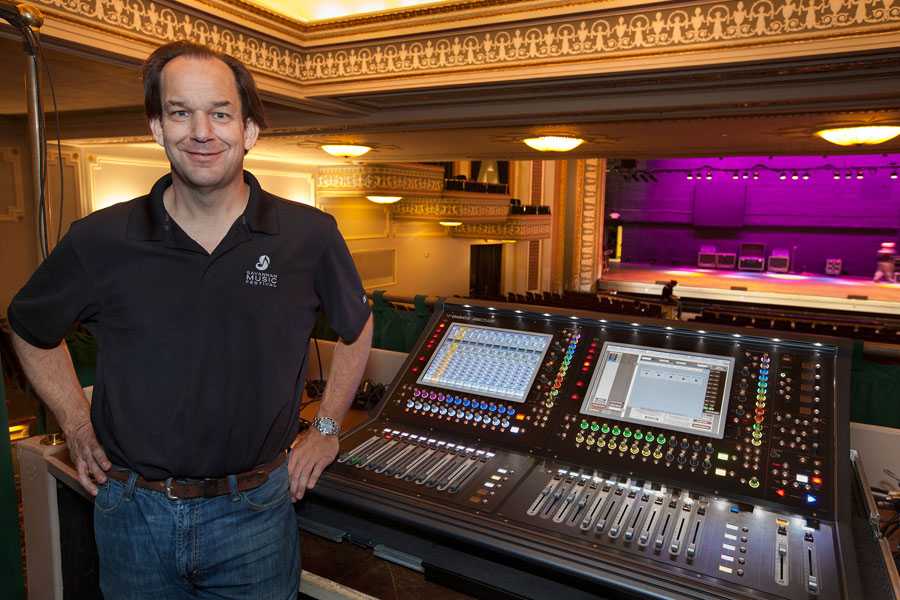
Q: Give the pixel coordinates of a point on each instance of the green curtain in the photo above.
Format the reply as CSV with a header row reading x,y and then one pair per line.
x,y
875,389
10,555
394,329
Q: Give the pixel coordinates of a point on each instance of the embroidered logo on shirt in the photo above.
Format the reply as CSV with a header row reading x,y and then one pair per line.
x,y
259,277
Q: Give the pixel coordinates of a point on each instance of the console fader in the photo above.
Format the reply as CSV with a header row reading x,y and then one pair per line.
x,y
681,461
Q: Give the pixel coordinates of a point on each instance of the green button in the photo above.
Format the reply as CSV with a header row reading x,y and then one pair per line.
x,y
627,433
584,425
757,426
661,439
754,483
594,427
616,431
638,435
605,428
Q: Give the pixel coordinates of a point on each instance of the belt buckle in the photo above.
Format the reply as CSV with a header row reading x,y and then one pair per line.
x,y
169,493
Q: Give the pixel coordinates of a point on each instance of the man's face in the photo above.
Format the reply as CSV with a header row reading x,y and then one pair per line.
x,y
201,127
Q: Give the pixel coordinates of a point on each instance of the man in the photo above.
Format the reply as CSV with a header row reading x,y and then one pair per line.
x,y
202,296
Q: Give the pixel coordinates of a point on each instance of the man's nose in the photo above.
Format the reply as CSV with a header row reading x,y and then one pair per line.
x,y
201,126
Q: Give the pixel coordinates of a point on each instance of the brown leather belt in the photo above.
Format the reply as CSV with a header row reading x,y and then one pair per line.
x,y
185,489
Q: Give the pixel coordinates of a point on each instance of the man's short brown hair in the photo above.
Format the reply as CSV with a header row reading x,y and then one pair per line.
x,y
251,105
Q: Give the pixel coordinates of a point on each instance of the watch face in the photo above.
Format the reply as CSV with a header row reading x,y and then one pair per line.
x,y
326,426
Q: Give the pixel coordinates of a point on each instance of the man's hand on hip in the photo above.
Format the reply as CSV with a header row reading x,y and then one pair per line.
x,y
309,457
88,456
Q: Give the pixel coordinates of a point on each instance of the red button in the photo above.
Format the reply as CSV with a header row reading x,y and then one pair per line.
x,y
758,419
817,480
780,492
580,383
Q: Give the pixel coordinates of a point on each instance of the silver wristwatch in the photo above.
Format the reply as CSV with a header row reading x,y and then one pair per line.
x,y
326,426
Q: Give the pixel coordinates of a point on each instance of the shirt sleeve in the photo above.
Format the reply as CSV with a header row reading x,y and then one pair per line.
x,y
58,294
340,291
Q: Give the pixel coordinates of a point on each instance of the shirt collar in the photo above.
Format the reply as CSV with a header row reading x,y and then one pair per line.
x,y
149,220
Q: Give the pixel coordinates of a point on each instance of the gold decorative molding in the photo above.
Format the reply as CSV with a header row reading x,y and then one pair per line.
x,y
13,206
589,184
588,37
454,206
363,179
516,227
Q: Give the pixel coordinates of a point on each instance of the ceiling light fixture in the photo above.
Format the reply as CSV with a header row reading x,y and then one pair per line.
x,y
553,143
855,136
893,174
859,175
451,223
345,150
384,199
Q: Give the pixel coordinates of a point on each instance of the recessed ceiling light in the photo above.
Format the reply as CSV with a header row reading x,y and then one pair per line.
x,y
553,143
345,150
854,136
451,223
384,199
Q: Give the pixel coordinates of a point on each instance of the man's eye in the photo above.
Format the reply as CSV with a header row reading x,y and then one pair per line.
x,y
221,115
180,113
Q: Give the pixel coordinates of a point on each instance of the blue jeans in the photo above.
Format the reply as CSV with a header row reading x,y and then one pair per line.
x,y
243,545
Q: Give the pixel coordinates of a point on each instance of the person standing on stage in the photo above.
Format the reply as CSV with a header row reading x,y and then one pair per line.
x,y
202,296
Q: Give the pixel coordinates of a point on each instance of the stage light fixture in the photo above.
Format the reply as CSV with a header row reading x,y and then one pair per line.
x,y
755,175
783,176
553,143
794,176
837,174
735,175
855,136
709,175
690,176
848,175
859,175
345,150
806,176
893,174
746,175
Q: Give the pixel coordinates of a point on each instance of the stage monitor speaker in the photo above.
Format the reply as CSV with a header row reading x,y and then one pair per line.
x,y
834,266
726,260
706,258
753,257
780,260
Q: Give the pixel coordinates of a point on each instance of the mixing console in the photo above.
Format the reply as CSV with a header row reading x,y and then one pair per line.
x,y
629,454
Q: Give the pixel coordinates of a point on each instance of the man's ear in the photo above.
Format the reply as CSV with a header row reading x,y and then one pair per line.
x,y
251,134
157,131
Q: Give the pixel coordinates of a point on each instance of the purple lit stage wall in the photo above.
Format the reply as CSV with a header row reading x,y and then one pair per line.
x,y
667,222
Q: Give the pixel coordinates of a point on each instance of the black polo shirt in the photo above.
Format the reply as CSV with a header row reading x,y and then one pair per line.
x,y
201,356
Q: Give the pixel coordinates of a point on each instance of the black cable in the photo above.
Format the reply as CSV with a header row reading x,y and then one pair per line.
x,y
59,159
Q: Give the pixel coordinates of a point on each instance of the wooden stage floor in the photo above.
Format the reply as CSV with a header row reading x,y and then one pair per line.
x,y
802,290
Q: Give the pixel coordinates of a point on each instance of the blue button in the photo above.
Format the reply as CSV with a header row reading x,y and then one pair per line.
x,y
510,411
810,499
492,408
451,412
501,410
466,402
763,377
484,405
735,509
457,401
763,371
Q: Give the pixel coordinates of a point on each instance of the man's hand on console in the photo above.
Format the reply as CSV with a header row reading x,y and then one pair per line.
x,y
88,456
309,456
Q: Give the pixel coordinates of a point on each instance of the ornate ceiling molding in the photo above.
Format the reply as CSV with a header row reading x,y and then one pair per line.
x,y
589,37
519,227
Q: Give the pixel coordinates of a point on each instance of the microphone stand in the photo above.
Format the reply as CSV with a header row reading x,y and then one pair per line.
x,y
26,19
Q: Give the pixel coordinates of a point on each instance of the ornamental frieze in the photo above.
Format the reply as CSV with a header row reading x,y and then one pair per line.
x,y
365,179
471,207
526,227
594,36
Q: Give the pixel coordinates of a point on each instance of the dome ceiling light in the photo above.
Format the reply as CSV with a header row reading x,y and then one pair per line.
x,y
345,150
855,136
384,199
553,143
451,223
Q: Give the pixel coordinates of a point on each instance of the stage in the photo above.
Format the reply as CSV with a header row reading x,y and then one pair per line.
x,y
800,290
